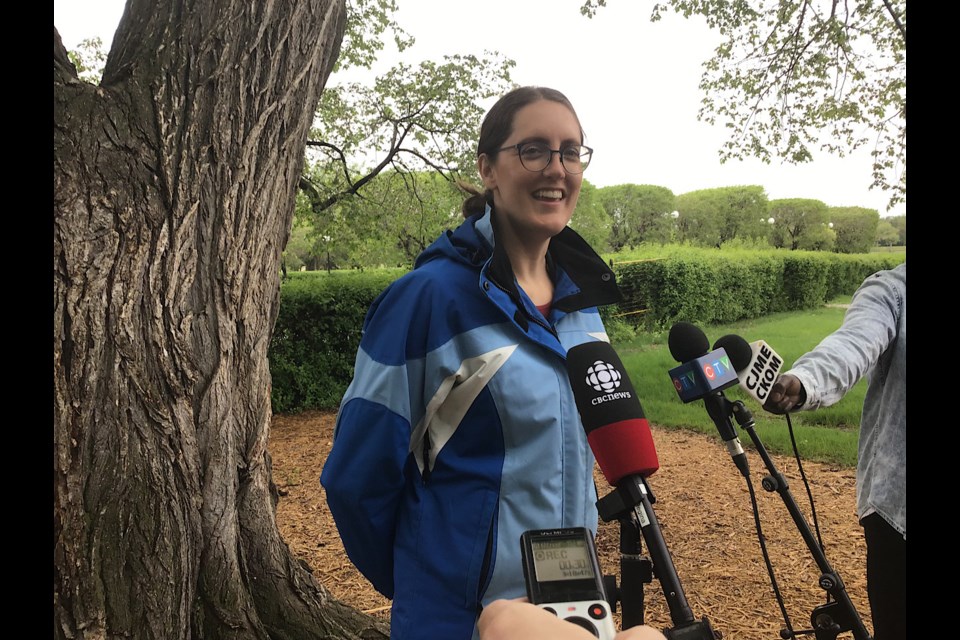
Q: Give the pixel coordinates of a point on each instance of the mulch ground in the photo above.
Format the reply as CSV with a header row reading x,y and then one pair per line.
x,y
705,513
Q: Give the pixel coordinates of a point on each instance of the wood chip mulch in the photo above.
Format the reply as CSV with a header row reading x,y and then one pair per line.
x,y
705,514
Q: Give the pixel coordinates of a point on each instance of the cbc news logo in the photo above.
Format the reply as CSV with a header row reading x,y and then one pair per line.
x,y
603,376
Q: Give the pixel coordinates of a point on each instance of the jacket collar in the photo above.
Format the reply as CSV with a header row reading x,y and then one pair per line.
x,y
589,281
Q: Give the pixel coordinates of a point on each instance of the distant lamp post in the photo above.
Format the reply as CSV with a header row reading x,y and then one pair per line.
x,y
674,226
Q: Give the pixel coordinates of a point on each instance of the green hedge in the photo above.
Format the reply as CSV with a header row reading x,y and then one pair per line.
x,y
321,314
317,333
710,286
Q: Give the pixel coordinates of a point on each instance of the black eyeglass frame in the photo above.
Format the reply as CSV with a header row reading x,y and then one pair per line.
x,y
520,145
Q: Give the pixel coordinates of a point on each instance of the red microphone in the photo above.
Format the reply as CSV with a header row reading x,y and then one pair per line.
x,y
618,432
622,443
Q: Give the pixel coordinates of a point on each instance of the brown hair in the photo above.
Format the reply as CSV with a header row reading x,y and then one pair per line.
x,y
496,128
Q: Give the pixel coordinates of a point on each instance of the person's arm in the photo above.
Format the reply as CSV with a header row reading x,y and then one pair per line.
x,y
519,620
363,481
822,376
364,474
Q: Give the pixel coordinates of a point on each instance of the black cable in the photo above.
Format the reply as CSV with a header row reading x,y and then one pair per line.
x,y
806,486
766,559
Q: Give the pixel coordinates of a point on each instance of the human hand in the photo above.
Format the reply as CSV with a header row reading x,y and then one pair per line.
x,y
642,632
785,395
520,620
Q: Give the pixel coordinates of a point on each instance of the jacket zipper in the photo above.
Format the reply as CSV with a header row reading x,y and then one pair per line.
x,y
426,457
485,569
523,309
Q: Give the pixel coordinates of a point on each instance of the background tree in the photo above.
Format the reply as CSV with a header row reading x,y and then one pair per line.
x,y
820,237
795,218
741,210
590,219
411,119
695,218
341,236
407,211
887,234
711,217
900,224
856,228
299,251
795,76
174,185
88,59
638,213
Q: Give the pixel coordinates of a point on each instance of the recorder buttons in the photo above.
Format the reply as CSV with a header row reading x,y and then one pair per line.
x,y
597,611
583,623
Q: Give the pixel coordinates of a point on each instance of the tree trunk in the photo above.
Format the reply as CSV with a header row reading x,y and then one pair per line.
x,y
174,186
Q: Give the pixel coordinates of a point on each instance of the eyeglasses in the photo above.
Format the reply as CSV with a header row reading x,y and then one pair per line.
x,y
536,156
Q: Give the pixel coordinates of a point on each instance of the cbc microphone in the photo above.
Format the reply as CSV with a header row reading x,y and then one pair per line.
x,y
756,363
617,430
622,443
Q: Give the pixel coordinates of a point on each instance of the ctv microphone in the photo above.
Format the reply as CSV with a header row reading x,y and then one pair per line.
x,y
612,417
706,375
758,366
756,363
700,373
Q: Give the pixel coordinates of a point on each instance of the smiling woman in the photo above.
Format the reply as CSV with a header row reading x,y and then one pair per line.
x,y
534,195
460,385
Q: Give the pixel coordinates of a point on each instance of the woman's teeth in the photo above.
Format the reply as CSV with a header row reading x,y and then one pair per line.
x,y
548,194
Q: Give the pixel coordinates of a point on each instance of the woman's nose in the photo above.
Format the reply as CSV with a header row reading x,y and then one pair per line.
x,y
555,166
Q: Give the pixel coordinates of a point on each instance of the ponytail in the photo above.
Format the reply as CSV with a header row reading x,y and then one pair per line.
x,y
476,201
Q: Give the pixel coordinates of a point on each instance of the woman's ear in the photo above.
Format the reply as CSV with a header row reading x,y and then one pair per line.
x,y
487,171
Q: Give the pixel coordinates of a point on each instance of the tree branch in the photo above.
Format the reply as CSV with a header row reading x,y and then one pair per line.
x,y
896,19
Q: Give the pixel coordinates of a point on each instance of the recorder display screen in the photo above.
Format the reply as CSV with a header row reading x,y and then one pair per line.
x,y
563,559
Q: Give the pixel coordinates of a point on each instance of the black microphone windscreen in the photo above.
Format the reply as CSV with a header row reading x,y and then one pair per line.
x,y
687,341
738,350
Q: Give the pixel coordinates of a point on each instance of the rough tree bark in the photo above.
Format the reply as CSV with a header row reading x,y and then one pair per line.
x,y
174,187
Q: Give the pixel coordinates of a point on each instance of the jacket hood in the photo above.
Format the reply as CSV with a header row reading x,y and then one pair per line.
x,y
473,243
470,244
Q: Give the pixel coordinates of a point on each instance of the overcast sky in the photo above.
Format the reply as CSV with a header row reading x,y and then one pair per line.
x,y
634,85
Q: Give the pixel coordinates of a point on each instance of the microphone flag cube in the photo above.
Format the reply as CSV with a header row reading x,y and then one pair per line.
x,y
708,373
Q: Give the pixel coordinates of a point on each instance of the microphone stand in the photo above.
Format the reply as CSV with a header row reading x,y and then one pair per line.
x,y
635,571
631,504
830,619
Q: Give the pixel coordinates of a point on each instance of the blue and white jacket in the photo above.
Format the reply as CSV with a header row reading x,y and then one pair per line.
x,y
460,431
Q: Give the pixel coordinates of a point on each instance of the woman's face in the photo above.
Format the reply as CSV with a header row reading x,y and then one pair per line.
x,y
534,206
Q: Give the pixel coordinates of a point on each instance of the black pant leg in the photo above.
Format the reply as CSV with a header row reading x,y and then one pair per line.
x,y
886,578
